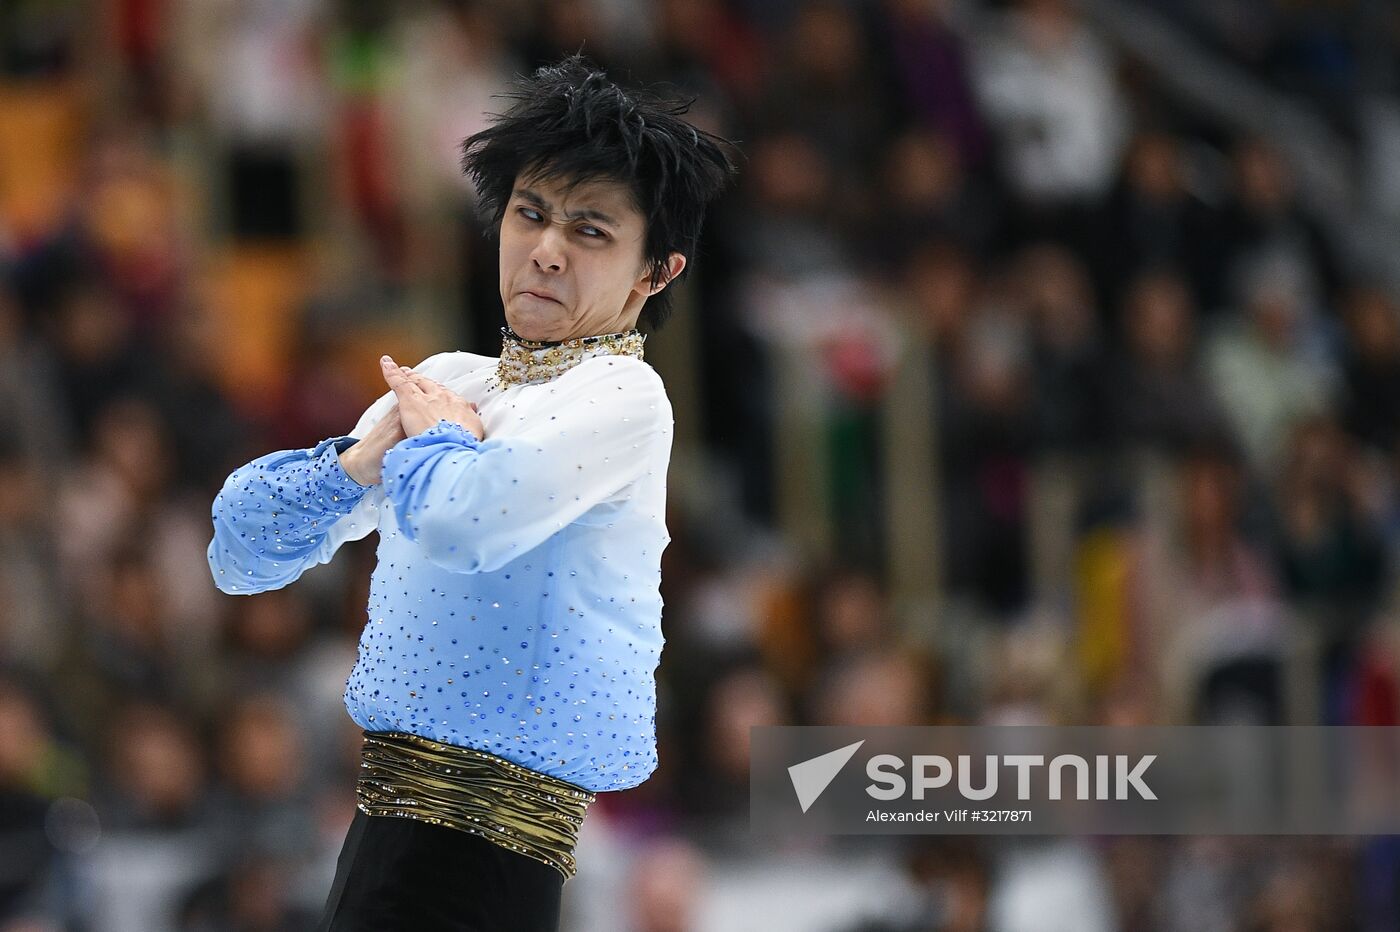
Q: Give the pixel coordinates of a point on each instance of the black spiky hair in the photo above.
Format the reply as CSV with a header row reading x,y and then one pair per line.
x,y
571,122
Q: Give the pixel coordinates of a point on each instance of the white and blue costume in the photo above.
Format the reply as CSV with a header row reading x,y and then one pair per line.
x,y
515,607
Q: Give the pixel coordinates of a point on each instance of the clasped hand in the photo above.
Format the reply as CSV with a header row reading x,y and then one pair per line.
x,y
421,403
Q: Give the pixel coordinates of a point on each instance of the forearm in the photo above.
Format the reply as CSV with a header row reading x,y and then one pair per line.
x,y
437,489
475,505
272,515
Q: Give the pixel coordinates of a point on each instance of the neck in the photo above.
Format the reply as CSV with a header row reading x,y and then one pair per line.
x,y
508,334
526,361
625,321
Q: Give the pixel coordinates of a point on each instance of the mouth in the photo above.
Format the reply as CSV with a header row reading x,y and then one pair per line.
x,y
543,295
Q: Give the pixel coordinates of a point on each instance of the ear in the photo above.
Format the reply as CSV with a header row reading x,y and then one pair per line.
x,y
674,264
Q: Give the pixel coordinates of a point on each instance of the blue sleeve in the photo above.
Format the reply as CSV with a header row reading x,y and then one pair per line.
x,y
273,516
474,505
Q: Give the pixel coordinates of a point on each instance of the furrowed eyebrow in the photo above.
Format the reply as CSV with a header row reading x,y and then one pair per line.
x,y
587,213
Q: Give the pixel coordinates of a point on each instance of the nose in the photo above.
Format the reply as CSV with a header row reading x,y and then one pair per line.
x,y
548,254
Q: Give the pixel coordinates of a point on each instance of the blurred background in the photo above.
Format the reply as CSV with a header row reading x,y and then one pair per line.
x,y
1043,366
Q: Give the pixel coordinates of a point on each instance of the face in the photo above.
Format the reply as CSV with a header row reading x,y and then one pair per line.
x,y
572,261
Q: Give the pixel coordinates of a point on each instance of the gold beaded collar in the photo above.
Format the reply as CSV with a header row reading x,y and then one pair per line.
x,y
527,361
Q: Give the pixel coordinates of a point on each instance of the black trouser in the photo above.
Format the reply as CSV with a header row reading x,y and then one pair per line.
x,y
402,874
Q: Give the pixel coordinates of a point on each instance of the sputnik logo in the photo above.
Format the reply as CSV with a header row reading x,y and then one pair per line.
x,y
811,777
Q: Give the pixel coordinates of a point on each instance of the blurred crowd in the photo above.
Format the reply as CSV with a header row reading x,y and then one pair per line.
x,y
1336,55
1161,408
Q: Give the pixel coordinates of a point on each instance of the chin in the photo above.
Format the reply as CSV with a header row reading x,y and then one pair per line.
x,y
536,326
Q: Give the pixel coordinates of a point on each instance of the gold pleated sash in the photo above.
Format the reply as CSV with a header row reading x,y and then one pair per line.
x,y
527,812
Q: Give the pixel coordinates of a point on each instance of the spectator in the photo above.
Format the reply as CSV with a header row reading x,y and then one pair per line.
x,y
1152,220
261,797
667,883
924,194
1158,395
1260,369
1046,84
1264,223
1371,368
985,430
1056,296
931,69
879,687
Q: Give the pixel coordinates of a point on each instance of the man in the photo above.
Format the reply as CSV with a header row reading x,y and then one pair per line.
x,y
506,671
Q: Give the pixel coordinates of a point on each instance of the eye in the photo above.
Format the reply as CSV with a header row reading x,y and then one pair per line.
x,y
529,213
596,234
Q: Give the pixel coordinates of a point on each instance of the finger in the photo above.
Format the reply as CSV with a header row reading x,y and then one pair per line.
x,y
394,376
422,381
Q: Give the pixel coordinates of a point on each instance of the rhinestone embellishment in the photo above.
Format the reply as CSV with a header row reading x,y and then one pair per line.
x,y
525,362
